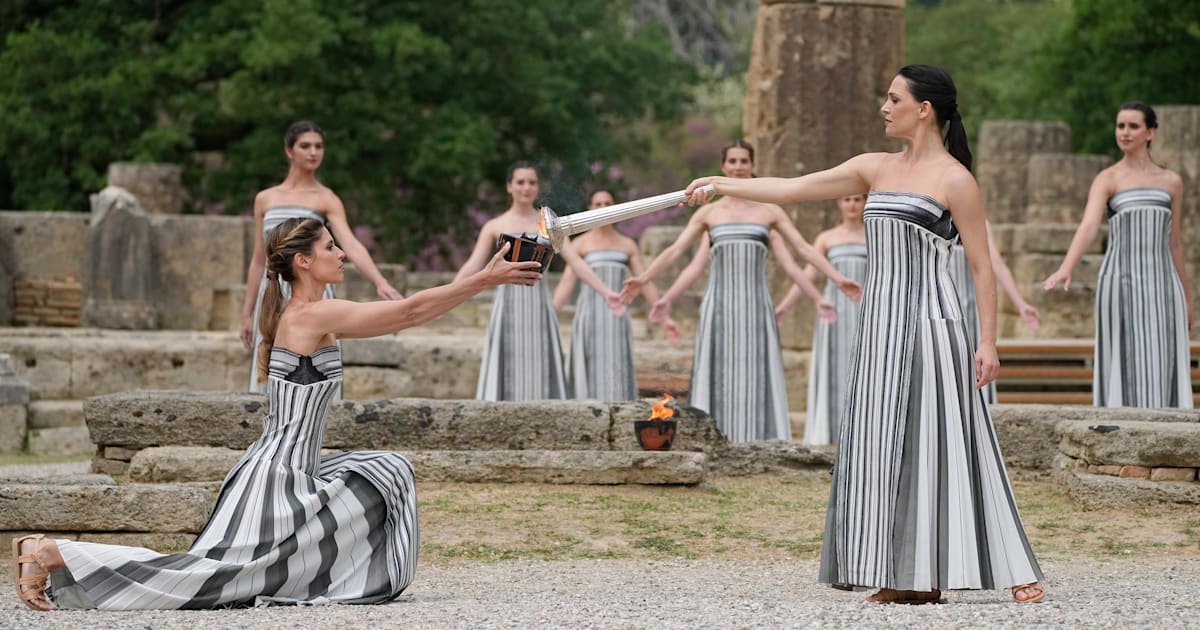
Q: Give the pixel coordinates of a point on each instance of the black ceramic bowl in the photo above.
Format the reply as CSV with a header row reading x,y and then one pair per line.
x,y
526,247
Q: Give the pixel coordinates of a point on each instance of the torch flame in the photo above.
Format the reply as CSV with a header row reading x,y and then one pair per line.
x,y
660,410
542,225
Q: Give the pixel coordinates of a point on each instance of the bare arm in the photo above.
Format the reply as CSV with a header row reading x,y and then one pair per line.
x,y
589,277
1085,234
784,225
650,292
966,208
254,274
566,285
799,280
484,244
696,227
851,177
1005,278
335,215
347,320
1176,245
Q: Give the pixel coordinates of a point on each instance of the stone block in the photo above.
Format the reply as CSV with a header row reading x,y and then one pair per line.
x,y
1065,314
1017,240
355,285
120,264
44,243
776,458
1173,474
120,453
1016,138
1132,443
1136,472
40,478
53,414
227,304
560,467
139,419
162,543
1108,469
12,428
112,364
44,363
156,186
176,464
61,441
111,467
1095,492
1059,184
125,508
376,383
1026,434
186,268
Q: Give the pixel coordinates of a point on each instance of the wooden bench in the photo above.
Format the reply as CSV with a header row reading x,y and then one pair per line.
x,y
1055,371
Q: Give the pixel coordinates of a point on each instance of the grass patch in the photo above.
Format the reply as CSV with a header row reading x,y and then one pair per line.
x,y
23,459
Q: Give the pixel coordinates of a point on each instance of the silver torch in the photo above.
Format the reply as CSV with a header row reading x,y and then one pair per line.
x,y
557,228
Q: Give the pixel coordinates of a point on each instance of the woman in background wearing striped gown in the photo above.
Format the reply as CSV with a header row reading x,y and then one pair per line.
x,y
833,342
600,361
1143,296
920,500
522,352
289,525
300,195
737,369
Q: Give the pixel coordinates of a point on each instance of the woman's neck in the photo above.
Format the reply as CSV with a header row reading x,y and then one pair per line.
x,y
299,178
1138,160
925,145
307,290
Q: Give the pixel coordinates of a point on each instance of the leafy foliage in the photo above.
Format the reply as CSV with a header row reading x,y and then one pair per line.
x,y
424,103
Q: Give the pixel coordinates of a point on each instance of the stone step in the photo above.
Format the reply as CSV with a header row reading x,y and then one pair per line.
x,y
61,441
53,414
175,464
1095,492
1124,442
158,508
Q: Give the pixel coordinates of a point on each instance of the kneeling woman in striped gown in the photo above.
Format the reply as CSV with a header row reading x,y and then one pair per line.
x,y
920,500
289,526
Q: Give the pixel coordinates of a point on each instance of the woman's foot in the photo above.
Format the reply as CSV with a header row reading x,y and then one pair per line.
x,y
1028,593
29,571
893,596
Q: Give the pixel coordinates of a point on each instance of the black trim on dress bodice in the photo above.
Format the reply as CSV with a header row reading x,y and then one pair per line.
x,y
305,373
916,208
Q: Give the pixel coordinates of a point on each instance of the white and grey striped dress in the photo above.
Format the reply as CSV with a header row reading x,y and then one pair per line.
x,y
833,348
737,370
920,498
1142,350
960,272
522,353
600,365
272,218
289,526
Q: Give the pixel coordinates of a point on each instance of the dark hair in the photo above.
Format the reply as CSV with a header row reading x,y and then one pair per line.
x,y
933,84
1148,114
515,166
283,242
300,127
596,191
737,144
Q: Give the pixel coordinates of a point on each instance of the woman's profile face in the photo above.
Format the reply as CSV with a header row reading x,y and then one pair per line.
x,y
308,151
523,187
326,263
1131,131
738,163
900,111
600,199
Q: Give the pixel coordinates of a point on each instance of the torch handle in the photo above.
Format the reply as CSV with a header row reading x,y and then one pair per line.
x,y
584,221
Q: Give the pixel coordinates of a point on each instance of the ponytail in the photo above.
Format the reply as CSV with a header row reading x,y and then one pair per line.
x,y
283,242
933,84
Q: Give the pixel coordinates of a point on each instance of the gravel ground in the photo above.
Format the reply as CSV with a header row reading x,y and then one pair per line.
x,y
1087,593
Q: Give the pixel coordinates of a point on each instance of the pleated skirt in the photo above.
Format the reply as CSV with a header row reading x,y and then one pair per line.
x,y
600,365
522,353
833,349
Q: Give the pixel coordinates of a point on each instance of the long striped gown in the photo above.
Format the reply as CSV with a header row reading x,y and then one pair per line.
x,y
960,272
920,498
833,348
600,365
1142,350
272,218
289,526
522,353
737,370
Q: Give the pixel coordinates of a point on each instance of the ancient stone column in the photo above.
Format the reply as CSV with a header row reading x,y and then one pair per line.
x,y
819,70
120,264
1176,146
156,186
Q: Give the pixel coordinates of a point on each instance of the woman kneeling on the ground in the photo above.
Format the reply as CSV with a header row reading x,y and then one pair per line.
x,y
289,525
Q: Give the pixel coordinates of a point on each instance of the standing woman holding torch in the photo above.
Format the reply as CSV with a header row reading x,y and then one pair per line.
x,y
737,369
920,501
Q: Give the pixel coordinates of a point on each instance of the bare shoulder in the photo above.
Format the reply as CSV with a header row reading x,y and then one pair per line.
x,y
1172,182
627,244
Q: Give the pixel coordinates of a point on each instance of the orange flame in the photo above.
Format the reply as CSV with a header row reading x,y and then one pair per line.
x,y
542,224
660,410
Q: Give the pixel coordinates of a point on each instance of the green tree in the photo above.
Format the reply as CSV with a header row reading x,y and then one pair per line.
x,y
1113,51
424,103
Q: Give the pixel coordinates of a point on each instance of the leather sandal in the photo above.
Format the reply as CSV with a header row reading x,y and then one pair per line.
x,y
30,588
1036,586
